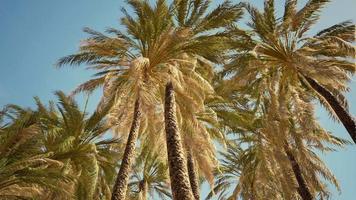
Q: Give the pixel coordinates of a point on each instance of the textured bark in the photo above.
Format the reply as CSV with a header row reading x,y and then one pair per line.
x,y
120,187
347,120
193,176
303,189
143,190
180,185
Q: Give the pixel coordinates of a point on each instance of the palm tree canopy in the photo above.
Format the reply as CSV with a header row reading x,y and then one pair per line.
x,y
26,171
79,141
282,45
177,42
56,152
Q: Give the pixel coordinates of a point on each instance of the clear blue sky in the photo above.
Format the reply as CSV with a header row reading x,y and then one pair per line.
x,y
34,34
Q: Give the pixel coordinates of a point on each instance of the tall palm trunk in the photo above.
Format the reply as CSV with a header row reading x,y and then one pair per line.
x,y
143,190
303,189
120,187
345,117
193,176
181,189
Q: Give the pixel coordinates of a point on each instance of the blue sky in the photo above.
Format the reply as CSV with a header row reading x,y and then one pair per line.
x,y
34,34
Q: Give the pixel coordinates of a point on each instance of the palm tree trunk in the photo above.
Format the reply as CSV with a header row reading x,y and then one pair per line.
x,y
303,189
120,187
143,190
181,189
193,176
346,119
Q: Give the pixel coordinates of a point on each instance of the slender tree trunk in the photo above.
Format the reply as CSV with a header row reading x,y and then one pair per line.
x,y
120,187
345,117
180,185
193,176
303,189
143,190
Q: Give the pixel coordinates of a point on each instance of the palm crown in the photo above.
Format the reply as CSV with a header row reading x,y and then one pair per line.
x,y
78,141
321,64
26,171
164,43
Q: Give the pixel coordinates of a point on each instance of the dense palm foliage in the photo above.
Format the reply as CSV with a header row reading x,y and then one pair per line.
x,y
26,171
181,79
319,65
269,158
137,65
78,141
57,152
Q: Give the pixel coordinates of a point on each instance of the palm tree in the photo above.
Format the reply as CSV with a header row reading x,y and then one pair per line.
x,y
178,168
26,171
193,175
303,187
160,43
201,130
319,63
255,158
79,141
122,177
191,15
259,172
